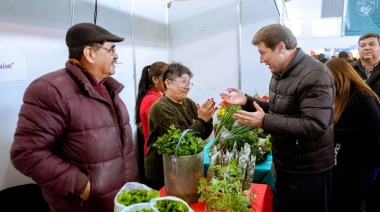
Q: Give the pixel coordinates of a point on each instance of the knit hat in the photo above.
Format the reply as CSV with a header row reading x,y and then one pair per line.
x,y
87,33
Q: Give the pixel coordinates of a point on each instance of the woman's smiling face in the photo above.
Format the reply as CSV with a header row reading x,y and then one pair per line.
x,y
178,88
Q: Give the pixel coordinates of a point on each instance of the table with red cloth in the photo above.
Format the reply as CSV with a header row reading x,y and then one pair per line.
x,y
262,203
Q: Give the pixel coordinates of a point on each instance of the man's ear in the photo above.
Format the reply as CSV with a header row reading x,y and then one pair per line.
x,y
89,54
281,47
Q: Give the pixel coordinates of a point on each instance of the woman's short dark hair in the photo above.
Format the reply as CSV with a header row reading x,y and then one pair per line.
x,y
175,70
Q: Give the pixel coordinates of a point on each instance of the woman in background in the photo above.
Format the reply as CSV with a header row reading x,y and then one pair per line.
x,y
356,137
151,88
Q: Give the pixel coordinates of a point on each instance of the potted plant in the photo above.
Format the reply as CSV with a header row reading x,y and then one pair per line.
x,y
224,191
182,154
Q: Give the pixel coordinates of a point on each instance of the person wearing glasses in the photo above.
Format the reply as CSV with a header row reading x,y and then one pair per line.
x,y
73,136
174,108
368,68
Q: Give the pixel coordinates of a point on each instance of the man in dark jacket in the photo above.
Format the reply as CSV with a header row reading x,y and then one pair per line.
x,y
299,117
367,66
73,136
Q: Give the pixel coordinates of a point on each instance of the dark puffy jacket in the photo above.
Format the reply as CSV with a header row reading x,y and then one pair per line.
x,y
374,80
374,83
299,116
70,137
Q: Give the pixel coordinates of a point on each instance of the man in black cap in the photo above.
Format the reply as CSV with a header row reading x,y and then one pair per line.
x,y
73,136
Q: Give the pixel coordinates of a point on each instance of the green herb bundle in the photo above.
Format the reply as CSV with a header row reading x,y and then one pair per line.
x,y
224,191
167,205
136,196
169,143
143,210
225,119
259,147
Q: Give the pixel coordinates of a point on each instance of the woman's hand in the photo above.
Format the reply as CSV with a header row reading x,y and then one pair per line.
x,y
206,110
238,98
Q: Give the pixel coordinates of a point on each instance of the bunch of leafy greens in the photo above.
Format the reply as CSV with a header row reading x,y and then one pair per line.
x,y
136,196
229,130
224,191
259,147
224,117
179,143
143,210
167,205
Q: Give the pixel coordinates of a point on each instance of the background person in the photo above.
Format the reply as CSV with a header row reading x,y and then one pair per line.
x,y
367,66
299,118
345,56
351,56
175,108
73,136
356,137
150,89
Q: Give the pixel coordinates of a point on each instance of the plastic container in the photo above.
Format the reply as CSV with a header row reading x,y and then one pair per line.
x,y
182,175
128,187
140,206
155,200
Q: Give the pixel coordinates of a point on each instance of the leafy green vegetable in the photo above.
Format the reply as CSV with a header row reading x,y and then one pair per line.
x,y
136,196
244,134
224,191
225,119
144,210
167,205
189,145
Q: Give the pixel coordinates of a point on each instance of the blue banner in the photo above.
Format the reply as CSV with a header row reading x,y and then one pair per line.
x,y
361,16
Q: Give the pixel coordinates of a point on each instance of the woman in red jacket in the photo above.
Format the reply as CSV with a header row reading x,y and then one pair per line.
x,y
150,89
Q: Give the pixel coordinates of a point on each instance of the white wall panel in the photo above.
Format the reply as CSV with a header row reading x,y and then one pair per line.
x,y
206,42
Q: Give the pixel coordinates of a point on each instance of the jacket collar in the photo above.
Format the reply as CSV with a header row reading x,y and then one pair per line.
x,y
85,79
293,63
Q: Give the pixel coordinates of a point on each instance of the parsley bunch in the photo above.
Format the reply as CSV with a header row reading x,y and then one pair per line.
x,y
189,145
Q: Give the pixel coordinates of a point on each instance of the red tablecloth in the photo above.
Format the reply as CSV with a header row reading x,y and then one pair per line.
x,y
262,203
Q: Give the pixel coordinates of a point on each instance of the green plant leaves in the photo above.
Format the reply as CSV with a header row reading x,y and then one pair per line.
x,y
224,191
189,143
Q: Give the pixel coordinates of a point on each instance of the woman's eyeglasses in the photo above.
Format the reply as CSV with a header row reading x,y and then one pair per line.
x,y
183,83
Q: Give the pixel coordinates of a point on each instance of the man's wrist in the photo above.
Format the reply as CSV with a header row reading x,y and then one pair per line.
x,y
245,99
